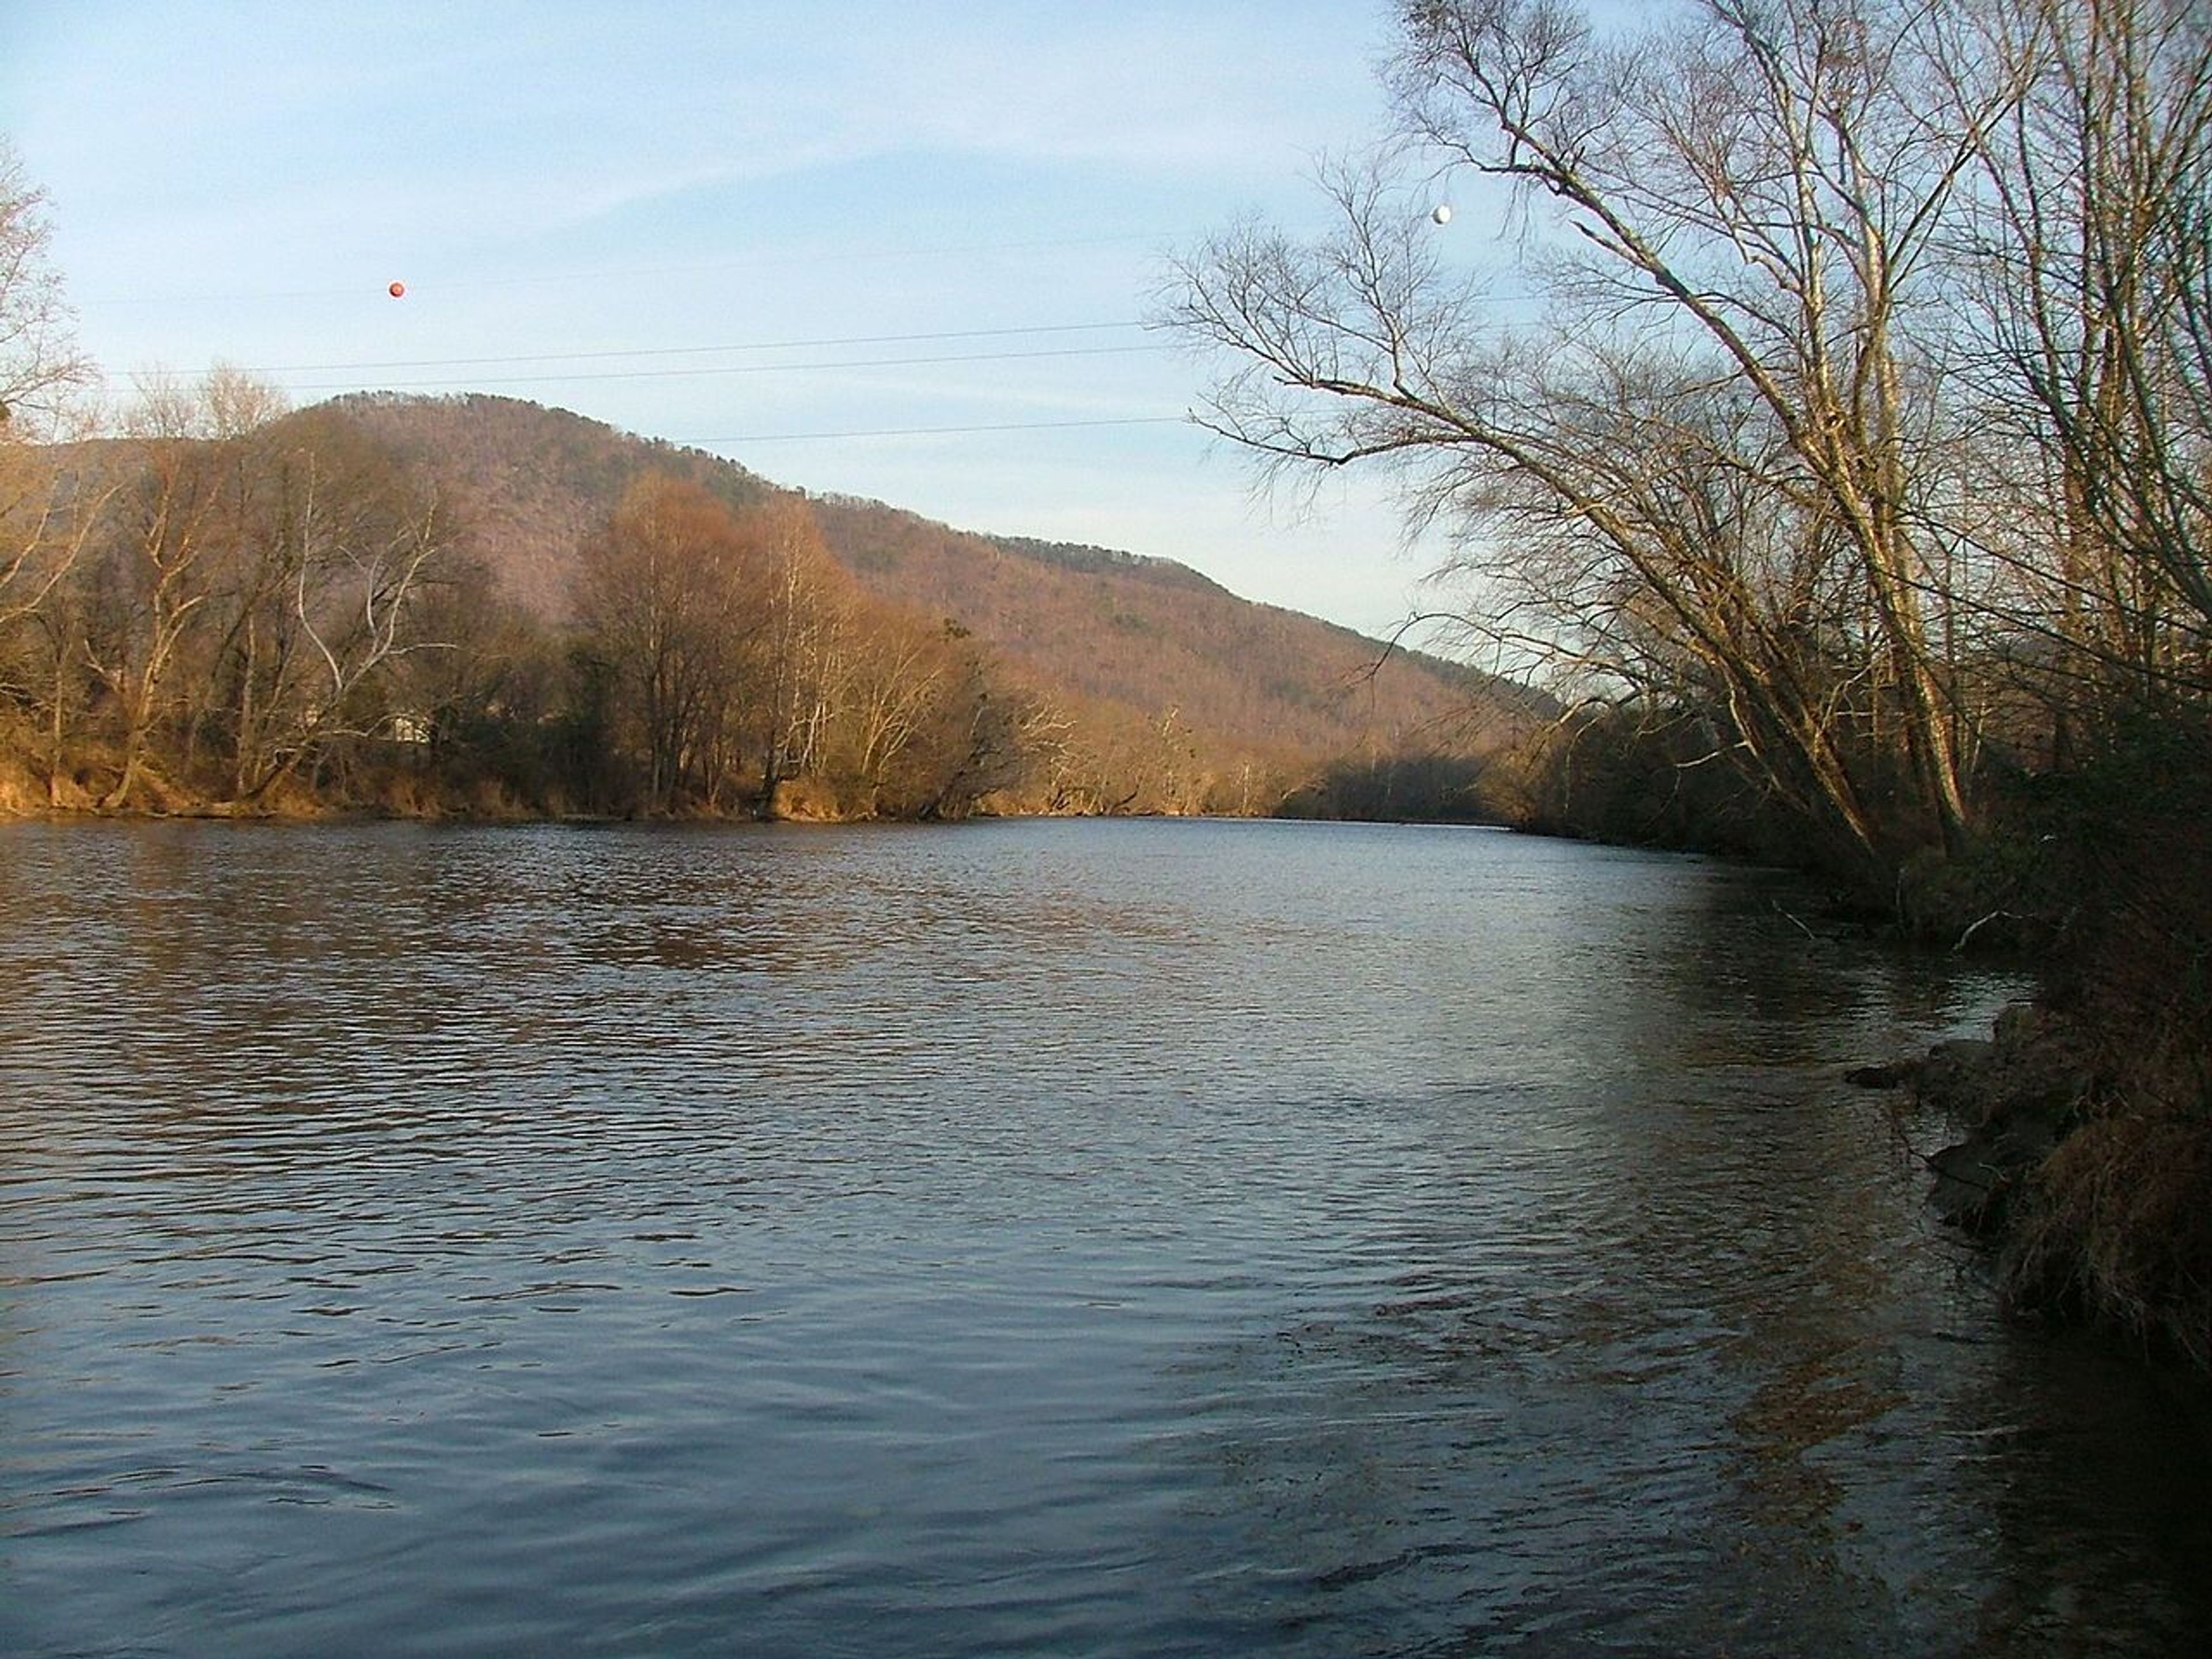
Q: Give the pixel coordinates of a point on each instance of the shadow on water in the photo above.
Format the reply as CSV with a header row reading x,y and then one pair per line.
x,y
1104,1238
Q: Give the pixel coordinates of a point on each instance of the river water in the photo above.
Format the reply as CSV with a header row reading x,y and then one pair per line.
x,y
1068,1238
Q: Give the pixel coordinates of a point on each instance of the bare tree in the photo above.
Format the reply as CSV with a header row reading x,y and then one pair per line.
x,y
803,641
331,607
40,366
256,577
895,680
2087,284
155,579
1698,462
47,510
662,595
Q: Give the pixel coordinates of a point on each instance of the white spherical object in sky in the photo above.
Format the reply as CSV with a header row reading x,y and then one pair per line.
x,y
1443,215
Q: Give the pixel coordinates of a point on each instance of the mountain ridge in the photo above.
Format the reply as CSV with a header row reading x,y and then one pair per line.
x,y
1148,637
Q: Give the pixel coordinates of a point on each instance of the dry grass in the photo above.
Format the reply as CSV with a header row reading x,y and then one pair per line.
x,y
2118,1225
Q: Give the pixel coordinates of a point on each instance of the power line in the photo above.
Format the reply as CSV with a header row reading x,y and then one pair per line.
x,y
927,431
701,351
478,382
622,273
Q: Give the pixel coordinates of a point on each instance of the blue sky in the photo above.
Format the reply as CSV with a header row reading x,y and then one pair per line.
x,y
736,225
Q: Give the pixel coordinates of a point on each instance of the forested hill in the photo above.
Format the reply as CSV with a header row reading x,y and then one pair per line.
x,y
1128,640
1150,635
523,485
1078,555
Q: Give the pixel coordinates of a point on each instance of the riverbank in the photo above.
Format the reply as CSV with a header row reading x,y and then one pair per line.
x,y
416,794
368,780
2094,1201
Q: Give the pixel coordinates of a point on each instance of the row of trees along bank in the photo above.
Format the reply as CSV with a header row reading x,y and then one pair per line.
x,y
1842,440
234,610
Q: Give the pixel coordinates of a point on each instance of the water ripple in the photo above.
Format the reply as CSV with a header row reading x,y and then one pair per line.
x,y
1031,1238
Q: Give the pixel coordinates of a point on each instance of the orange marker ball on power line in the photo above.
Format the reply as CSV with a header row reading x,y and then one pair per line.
x,y
397,289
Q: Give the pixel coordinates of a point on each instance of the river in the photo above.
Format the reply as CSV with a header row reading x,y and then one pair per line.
x,y
1054,1238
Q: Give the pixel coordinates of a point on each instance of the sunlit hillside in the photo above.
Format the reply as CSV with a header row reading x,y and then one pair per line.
x,y
1129,644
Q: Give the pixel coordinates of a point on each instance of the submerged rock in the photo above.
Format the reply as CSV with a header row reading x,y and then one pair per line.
x,y
2017,1094
1969,1188
1895,1075
1959,1076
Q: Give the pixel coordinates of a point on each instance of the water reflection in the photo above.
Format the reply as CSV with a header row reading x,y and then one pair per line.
x,y
1121,1238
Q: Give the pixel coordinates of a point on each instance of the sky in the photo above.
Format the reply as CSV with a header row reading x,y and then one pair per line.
x,y
788,234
